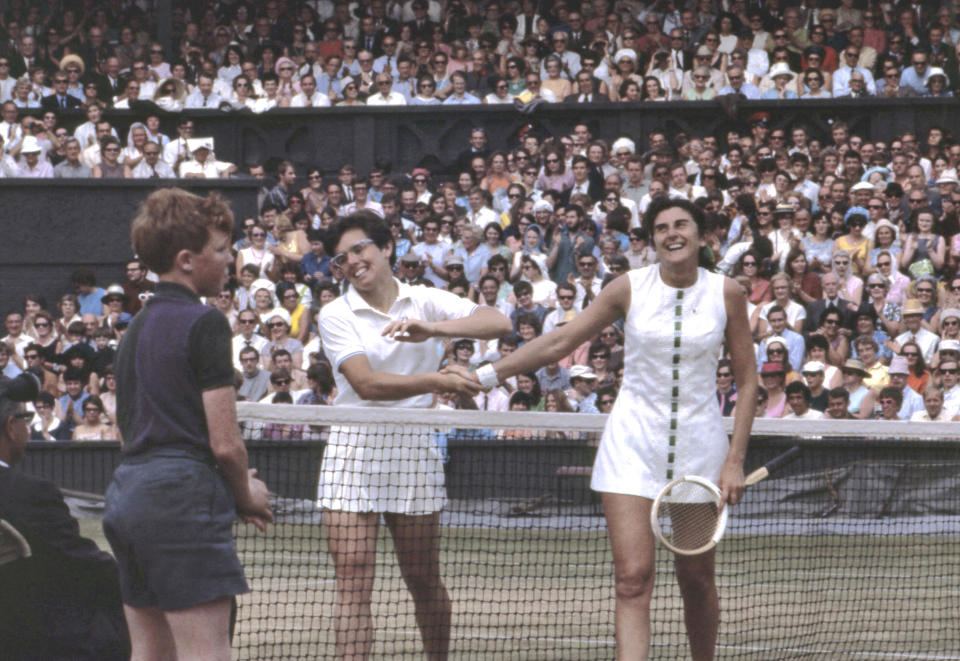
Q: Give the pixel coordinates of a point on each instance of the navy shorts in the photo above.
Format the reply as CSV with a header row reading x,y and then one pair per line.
x,y
169,519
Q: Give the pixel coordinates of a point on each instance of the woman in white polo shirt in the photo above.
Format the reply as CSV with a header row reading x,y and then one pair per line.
x,y
382,338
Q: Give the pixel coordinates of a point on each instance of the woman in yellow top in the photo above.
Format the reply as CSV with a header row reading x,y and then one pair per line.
x,y
555,82
299,314
855,243
292,244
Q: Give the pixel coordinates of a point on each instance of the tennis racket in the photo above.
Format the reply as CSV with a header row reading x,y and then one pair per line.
x,y
687,516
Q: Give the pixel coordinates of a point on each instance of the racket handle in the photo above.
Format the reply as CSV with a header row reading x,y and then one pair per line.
x,y
773,465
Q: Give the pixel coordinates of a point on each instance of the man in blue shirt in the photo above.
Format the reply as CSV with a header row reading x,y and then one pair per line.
x,y
88,294
316,263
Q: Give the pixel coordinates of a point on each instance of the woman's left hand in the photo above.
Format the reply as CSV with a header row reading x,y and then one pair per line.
x,y
408,330
731,482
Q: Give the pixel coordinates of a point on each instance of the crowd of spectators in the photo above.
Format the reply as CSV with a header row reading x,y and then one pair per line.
x,y
847,249
847,246
84,58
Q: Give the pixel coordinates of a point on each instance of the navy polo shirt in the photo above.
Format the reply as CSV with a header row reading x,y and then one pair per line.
x,y
174,349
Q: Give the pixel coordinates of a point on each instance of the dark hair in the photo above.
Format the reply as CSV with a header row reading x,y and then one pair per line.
x,y
838,393
893,393
535,391
521,288
798,387
322,374
522,398
660,204
366,221
530,319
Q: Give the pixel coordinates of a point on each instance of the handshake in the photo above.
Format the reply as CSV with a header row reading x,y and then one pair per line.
x,y
458,379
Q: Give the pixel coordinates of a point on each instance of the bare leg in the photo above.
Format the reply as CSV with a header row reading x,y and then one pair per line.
x,y
150,635
631,540
202,633
352,540
701,605
417,541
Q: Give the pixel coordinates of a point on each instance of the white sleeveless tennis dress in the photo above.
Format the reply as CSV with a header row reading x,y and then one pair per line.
x,y
666,422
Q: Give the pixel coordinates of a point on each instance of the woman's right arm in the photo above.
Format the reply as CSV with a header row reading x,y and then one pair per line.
x,y
611,304
909,247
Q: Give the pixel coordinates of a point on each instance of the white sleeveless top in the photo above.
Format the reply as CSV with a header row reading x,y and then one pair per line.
x,y
666,422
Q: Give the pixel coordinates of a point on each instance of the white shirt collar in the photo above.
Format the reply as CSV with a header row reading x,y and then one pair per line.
x,y
356,302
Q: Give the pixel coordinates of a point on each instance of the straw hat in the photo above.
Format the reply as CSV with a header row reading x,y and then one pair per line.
x,y
912,306
856,366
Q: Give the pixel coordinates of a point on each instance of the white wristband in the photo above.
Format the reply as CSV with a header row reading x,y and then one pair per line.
x,y
487,376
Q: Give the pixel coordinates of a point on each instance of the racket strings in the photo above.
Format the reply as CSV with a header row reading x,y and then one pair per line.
x,y
688,516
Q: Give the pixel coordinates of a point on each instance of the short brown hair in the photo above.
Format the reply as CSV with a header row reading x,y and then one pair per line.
x,y
171,220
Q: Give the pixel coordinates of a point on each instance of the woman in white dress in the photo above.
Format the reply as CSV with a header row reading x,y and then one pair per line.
x,y
665,422
383,339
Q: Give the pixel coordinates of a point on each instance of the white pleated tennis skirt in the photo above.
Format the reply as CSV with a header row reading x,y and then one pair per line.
x,y
382,468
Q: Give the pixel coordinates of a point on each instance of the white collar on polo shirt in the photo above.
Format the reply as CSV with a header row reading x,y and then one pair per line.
x,y
356,302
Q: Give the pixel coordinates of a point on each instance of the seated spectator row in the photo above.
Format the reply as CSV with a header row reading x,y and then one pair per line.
x,y
256,57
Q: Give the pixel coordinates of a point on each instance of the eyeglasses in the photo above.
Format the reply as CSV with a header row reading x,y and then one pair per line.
x,y
831,322
565,297
606,400
276,324
258,235
281,382
910,354
876,285
599,355
587,264
885,263
724,375
745,264
356,250
954,371
925,290
913,200
772,351
246,321
950,322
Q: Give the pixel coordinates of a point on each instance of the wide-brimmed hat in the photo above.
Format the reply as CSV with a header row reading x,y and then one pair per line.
x,y
30,145
856,366
781,69
949,345
912,306
935,71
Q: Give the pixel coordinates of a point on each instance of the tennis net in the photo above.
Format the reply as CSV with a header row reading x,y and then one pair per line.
x,y
851,552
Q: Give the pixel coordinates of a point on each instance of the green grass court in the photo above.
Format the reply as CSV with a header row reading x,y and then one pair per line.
x,y
534,594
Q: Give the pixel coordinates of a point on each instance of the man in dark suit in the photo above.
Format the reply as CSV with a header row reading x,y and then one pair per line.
x,y
831,300
587,91
63,601
579,39
421,26
478,147
680,57
59,100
